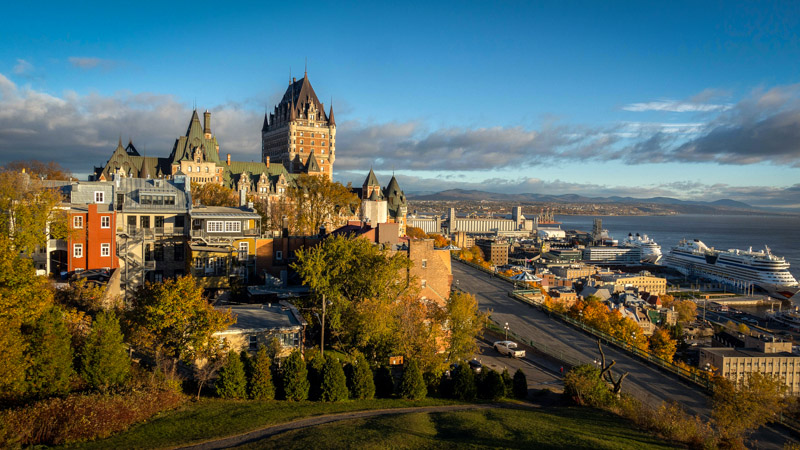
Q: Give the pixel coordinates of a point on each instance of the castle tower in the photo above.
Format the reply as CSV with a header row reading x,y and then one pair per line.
x,y
299,128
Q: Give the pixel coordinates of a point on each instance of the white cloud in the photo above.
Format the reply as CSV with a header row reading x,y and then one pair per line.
x,y
675,106
90,62
23,67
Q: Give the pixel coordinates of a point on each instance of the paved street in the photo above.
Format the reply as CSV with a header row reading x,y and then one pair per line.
x,y
539,375
648,384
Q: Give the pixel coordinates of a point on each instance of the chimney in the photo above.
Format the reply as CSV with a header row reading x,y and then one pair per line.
x,y
267,161
228,160
242,197
207,124
285,227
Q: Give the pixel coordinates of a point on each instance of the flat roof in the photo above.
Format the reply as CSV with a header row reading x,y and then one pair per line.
x,y
728,352
211,212
259,318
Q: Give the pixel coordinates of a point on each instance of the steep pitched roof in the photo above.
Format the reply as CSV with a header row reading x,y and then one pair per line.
x,y
331,120
195,137
312,166
232,173
395,197
371,180
299,95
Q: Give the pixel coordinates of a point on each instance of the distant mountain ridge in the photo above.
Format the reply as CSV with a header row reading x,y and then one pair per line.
x,y
476,195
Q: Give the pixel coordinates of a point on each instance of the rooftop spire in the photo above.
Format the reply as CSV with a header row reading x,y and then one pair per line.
x,y
331,120
305,70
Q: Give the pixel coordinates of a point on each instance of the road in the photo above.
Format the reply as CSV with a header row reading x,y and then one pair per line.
x,y
538,374
646,383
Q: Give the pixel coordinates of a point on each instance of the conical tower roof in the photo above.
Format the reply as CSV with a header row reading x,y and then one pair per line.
x,y
371,180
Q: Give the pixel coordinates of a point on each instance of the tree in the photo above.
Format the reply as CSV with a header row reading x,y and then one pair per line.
x,y
662,345
315,366
508,382
49,351
174,320
584,385
738,410
384,382
82,295
50,170
520,385
334,383
465,323
415,233
463,385
686,309
231,382
359,282
492,386
420,332
742,328
260,385
412,384
361,382
319,201
210,361
13,363
104,360
295,377
212,194
667,300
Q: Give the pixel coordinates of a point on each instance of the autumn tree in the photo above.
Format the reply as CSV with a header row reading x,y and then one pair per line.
x,y
737,410
662,345
420,331
686,309
319,201
360,283
210,360
465,323
82,295
104,359
212,194
50,170
415,233
272,212
174,320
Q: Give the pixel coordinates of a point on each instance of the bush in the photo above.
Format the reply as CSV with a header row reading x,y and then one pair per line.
x,y
81,417
361,383
384,382
315,367
492,386
50,355
508,383
412,385
104,360
260,385
231,382
520,385
433,381
295,377
334,383
463,387
583,385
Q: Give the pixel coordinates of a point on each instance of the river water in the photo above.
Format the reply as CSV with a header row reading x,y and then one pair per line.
x,y
780,233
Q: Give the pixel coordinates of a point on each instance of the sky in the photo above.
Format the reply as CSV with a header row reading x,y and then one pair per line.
x,y
694,100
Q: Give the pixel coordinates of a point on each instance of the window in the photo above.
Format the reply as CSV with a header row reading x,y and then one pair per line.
x,y
177,252
105,249
244,248
189,169
179,222
132,222
423,283
290,339
77,222
198,169
99,197
105,221
424,263
144,221
159,221
253,342
159,252
148,252
233,227
214,226
206,169
279,255
198,263
120,201
301,141
77,250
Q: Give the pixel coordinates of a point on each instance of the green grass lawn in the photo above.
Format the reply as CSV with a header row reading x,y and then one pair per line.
x,y
212,418
557,428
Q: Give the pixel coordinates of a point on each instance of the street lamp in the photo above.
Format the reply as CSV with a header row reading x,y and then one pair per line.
x,y
506,328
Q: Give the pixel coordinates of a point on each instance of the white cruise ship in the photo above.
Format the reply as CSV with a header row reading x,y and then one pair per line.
x,y
736,267
651,251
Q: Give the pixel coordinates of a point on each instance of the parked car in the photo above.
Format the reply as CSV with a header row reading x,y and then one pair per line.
x,y
475,365
509,348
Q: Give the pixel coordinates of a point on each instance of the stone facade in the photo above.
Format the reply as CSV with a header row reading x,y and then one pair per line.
x,y
432,269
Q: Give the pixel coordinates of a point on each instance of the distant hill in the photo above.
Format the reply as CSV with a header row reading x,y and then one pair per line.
x,y
683,206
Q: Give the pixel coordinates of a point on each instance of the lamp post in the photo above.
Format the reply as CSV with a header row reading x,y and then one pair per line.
x,y
506,328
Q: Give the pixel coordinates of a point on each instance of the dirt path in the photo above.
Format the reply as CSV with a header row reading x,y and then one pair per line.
x,y
263,433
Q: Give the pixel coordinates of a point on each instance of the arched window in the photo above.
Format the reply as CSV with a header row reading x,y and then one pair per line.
x,y
189,168
206,169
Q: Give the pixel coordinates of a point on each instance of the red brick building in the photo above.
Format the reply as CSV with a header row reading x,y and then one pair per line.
x,y
93,242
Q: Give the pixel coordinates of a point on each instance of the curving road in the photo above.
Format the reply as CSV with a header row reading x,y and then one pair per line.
x,y
649,384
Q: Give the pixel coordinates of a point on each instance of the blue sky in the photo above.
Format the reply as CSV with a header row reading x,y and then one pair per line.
x,y
688,99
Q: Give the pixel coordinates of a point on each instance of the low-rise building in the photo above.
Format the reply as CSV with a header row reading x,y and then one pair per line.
x,y
766,355
610,255
260,324
495,252
432,268
643,281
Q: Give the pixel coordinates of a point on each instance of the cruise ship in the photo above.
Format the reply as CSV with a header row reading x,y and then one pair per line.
x,y
651,251
742,268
